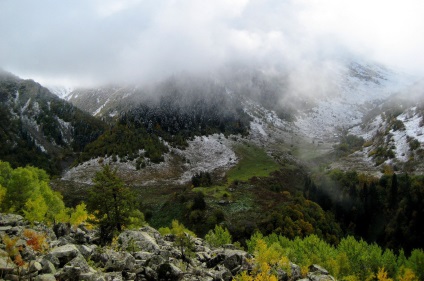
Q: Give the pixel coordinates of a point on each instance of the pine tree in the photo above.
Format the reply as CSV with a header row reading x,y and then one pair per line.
x,y
110,201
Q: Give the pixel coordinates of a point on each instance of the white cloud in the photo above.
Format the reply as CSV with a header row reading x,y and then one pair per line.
x,y
138,39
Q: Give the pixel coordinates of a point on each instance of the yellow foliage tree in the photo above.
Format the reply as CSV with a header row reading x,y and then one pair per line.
x,y
406,274
35,209
382,275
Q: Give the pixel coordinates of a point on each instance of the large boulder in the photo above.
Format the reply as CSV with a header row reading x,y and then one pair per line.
x,y
64,253
73,269
234,260
168,271
317,273
135,241
119,261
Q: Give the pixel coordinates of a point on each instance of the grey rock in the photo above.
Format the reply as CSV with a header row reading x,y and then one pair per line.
x,y
318,276
45,277
222,273
155,261
47,267
68,272
295,271
120,261
134,241
12,277
11,220
282,275
150,274
62,229
5,228
142,255
52,259
81,238
169,271
79,262
84,250
6,265
318,273
65,253
234,263
203,256
35,267
317,268
92,276
113,276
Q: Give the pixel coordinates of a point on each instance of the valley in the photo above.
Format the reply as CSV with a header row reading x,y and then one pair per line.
x,y
245,151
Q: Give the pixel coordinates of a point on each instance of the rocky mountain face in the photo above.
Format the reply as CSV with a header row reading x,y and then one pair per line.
x,y
38,128
65,253
307,113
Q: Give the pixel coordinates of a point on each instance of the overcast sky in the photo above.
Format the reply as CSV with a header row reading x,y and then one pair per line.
x,y
87,41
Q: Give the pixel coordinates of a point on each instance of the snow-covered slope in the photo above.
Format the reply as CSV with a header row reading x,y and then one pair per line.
x,y
357,89
393,134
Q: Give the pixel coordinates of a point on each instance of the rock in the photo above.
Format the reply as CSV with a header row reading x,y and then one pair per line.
x,y
317,268
5,229
65,253
113,276
11,220
84,250
61,229
222,273
79,262
142,255
317,273
296,273
233,260
169,271
35,267
12,277
155,261
282,275
150,274
6,265
68,272
80,236
45,277
48,267
318,276
134,241
52,259
119,261
203,256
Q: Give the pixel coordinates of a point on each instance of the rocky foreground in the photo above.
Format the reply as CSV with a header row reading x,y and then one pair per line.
x,y
65,253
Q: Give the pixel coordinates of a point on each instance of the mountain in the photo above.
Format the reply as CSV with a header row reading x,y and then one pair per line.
x,y
40,129
301,115
393,134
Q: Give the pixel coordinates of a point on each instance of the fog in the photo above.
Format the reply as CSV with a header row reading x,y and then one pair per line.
x,y
89,42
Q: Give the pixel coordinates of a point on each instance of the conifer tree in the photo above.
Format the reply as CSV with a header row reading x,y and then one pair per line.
x,y
110,201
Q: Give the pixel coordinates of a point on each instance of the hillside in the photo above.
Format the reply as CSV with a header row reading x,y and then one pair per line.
x,y
38,128
73,253
392,133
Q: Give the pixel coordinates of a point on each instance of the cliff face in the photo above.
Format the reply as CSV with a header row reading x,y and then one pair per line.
x,y
64,253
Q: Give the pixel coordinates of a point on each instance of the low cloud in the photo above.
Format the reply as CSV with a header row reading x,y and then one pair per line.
x,y
87,42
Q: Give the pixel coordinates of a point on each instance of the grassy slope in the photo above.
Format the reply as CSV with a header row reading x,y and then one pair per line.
x,y
254,162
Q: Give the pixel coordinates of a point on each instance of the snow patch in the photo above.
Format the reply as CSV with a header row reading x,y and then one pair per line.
x,y
206,153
